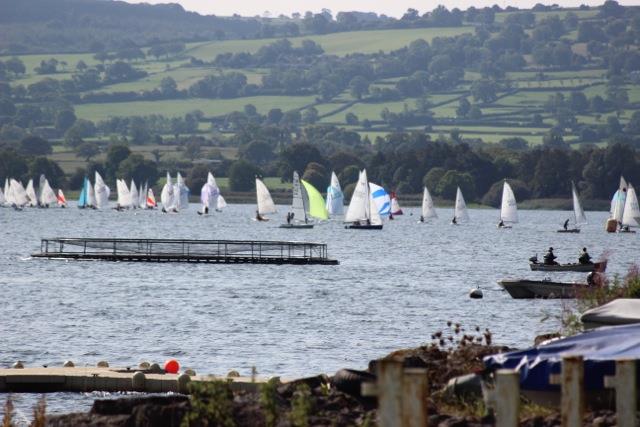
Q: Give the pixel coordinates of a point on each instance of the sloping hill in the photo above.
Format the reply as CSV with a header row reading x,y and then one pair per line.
x,y
82,25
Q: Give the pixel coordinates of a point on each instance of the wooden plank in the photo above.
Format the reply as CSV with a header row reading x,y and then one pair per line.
x,y
507,398
572,394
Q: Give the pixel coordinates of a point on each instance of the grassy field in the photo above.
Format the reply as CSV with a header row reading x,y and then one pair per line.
x,y
335,44
175,108
582,14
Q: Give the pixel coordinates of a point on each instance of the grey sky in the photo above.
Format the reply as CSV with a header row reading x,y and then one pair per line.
x,y
392,8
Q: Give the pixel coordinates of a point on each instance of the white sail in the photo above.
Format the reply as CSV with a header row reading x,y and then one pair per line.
x,y
265,202
41,184
47,195
363,207
209,193
91,195
335,198
359,204
631,215
578,212
18,193
460,212
298,205
509,208
618,201
428,210
124,196
167,196
142,197
31,194
5,193
181,193
102,192
221,204
133,195
381,198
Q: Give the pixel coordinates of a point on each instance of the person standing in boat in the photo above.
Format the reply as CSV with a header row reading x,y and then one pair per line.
x,y
566,225
584,257
288,217
550,258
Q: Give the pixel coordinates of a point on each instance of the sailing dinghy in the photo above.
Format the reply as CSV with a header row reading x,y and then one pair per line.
x,y
209,195
47,195
617,207
297,217
102,192
631,214
167,196
579,217
460,213
508,208
395,206
335,198
62,201
151,199
264,201
427,211
31,195
362,213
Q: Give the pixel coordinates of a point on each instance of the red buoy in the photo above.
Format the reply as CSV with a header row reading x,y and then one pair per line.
x,y
171,366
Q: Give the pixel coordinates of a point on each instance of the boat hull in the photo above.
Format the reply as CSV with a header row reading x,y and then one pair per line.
x,y
363,227
545,289
586,268
307,226
571,230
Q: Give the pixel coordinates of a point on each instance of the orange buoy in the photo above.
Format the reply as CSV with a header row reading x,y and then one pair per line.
x,y
171,366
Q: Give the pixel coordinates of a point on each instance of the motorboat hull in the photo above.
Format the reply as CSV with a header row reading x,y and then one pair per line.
x,y
530,289
364,226
570,230
585,268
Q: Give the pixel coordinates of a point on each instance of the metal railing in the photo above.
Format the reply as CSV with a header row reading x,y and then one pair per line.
x,y
253,249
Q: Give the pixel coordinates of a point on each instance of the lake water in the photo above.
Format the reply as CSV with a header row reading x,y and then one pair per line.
x,y
392,289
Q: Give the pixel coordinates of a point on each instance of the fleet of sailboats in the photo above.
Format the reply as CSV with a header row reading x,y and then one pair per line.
x,y
369,203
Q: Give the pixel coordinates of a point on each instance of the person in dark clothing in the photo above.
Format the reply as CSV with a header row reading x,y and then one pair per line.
x,y
453,221
566,224
550,258
501,223
421,218
288,217
584,257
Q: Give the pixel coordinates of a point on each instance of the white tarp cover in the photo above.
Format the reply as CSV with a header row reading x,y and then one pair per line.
x,y
621,311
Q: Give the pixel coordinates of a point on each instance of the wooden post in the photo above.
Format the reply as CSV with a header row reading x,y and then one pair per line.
x,y
389,393
624,383
415,392
572,397
507,398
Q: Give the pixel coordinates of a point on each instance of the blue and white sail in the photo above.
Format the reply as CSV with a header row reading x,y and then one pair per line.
x,y
618,201
82,199
380,198
335,198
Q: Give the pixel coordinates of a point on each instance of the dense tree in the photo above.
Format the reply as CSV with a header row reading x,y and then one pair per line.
x,y
242,176
87,150
116,154
451,180
43,166
137,168
35,146
64,120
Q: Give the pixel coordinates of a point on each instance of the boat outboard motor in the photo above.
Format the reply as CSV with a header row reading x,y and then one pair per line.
x,y
534,259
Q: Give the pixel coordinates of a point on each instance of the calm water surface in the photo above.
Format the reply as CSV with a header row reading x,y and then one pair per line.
x,y
392,289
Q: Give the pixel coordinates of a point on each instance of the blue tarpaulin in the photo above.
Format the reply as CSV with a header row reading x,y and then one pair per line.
x,y
600,349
